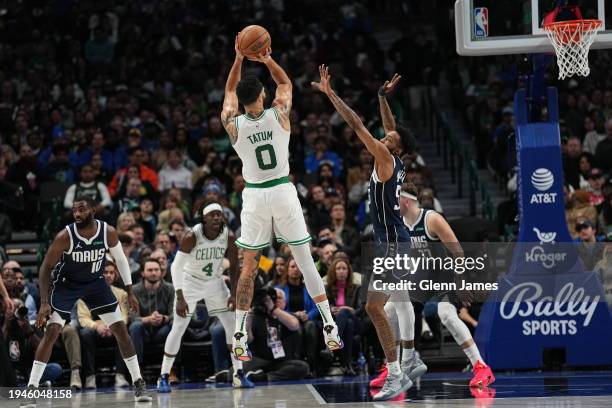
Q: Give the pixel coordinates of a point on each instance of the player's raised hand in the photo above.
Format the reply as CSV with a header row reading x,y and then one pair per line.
x,y
263,57
239,54
389,86
324,84
43,313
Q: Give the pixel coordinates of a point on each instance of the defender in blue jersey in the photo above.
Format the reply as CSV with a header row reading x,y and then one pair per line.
x,y
389,230
72,270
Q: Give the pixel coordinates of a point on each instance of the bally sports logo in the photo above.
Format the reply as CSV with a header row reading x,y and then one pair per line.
x,y
525,300
542,180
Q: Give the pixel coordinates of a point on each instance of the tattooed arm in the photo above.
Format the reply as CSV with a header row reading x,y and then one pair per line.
x,y
230,101
385,110
382,156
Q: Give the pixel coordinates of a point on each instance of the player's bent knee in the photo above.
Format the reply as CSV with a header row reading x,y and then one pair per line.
x,y
374,309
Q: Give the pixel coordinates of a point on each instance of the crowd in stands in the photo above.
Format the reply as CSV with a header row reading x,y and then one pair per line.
x,y
120,102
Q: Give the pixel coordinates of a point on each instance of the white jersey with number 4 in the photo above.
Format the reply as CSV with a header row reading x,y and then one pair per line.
x,y
263,147
206,258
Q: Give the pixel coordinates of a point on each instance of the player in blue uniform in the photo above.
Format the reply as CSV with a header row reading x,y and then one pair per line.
x,y
72,270
389,230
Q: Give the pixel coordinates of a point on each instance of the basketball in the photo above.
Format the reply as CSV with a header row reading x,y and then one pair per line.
x,y
253,39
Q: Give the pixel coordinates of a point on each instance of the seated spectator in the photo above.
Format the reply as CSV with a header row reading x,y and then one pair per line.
x,y
344,299
148,219
60,168
278,272
125,221
95,333
97,147
345,234
588,249
604,269
603,151
177,228
135,156
131,198
321,155
326,253
174,174
88,187
127,243
12,277
160,256
145,187
579,207
596,181
586,164
591,137
318,213
330,183
156,301
300,304
100,173
274,340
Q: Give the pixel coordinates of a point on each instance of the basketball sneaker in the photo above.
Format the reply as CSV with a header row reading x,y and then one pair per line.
x,y
394,385
332,338
140,391
415,367
239,380
29,400
240,347
379,381
163,384
483,376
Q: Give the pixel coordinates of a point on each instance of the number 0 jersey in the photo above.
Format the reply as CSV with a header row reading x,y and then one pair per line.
x,y
85,259
206,258
263,147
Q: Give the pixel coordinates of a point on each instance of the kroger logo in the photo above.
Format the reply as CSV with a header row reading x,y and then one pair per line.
x,y
542,180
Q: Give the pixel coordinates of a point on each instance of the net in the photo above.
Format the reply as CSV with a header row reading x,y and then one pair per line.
x,y
572,40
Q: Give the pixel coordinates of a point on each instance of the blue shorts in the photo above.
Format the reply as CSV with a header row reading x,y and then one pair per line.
x,y
97,295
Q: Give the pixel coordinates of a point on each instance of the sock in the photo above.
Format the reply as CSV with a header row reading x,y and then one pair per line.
x,y
325,311
38,368
394,368
237,364
167,364
398,350
241,316
133,367
407,354
473,354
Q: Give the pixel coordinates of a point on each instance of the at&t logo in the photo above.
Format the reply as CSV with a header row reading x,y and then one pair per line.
x,y
542,180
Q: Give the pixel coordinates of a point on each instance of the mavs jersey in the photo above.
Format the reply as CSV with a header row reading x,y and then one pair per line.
x,y
263,147
421,239
206,258
384,205
85,259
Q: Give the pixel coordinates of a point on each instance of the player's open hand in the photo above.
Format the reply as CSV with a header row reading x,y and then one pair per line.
x,y
324,85
263,57
231,303
389,86
133,302
181,307
43,313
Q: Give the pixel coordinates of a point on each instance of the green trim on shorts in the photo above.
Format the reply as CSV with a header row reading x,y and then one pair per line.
x,y
215,311
268,184
245,246
299,242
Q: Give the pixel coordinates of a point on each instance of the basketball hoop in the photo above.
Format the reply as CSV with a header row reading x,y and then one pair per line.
x,y
572,40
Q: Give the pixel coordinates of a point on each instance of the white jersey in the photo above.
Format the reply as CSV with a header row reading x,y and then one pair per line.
x,y
206,258
263,147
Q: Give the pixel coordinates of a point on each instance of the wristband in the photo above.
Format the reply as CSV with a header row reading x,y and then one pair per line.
x,y
381,92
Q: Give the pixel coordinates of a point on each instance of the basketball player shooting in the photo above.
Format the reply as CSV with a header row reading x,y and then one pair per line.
x,y
270,200
389,229
75,262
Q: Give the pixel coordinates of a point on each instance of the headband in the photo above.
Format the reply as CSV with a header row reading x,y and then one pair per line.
x,y
406,194
210,208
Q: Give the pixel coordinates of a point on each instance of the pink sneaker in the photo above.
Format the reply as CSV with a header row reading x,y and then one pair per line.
x,y
483,376
379,381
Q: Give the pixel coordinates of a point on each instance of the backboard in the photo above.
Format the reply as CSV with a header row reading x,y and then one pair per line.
x,y
494,27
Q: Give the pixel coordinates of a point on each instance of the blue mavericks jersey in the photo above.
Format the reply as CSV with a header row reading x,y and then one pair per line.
x,y
384,205
85,260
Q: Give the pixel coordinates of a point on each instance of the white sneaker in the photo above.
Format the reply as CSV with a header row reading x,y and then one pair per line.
x,y
120,381
394,385
90,382
75,379
414,368
332,338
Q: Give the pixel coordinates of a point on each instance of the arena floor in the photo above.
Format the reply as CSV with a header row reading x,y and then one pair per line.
x,y
533,390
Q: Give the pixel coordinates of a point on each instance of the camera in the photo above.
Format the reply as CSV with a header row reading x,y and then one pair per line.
x,y
259,300
21,312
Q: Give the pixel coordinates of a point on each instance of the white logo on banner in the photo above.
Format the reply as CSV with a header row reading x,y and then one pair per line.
x,y
526,300
545,237
542,180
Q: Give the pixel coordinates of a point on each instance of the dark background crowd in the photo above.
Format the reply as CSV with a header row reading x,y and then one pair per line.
x,y
120,100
